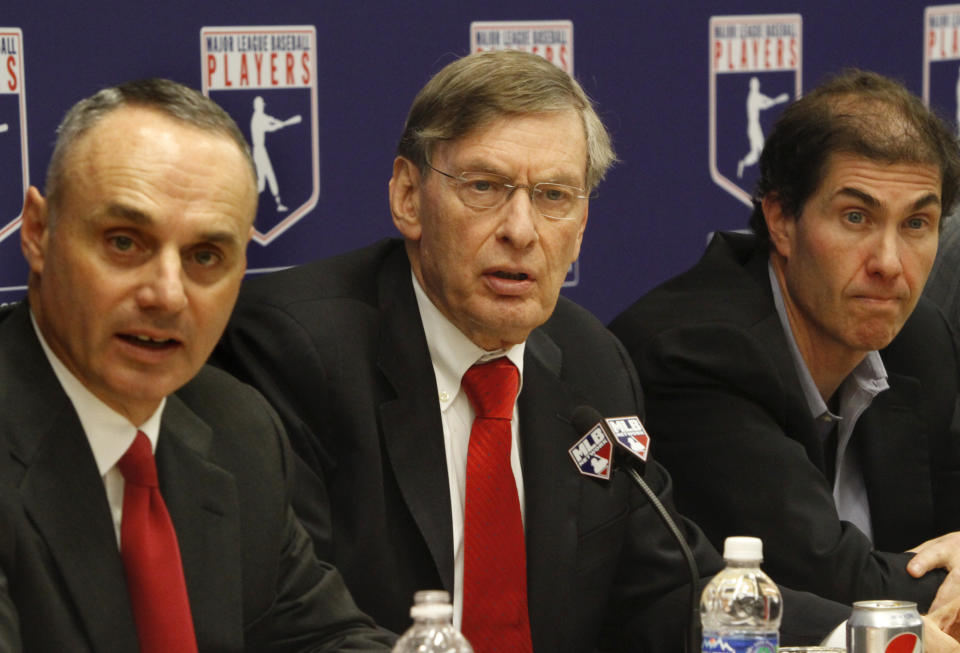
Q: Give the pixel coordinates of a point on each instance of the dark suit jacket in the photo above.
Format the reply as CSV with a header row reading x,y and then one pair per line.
x,y
9,620
338,348
734,429
252,579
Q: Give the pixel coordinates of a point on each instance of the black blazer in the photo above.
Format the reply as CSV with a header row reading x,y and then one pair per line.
x,y
725,402
338,347
252,579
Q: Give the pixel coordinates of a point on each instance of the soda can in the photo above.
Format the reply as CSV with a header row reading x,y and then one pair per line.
x,y
885,627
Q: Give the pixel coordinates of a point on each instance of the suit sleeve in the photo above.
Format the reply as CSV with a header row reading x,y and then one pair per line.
x,y
716,401
9,620
312,608
292,378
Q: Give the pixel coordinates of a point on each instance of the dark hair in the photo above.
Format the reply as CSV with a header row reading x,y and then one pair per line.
x,y
860,113
163,95
474,90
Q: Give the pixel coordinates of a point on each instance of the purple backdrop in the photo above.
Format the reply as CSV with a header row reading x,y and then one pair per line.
x,y
649,66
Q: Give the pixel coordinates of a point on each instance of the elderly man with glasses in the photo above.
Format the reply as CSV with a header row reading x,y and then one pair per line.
x,y
383,364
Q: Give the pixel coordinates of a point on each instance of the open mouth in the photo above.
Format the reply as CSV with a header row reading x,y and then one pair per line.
x,y
148,342
513,276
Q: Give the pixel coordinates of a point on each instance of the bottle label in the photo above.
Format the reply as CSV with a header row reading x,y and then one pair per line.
x,y
740,643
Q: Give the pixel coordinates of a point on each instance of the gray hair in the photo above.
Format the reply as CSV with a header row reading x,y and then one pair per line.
x,y
479,88
163,95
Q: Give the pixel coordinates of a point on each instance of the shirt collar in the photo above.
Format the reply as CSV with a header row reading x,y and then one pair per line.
x,y
109,433
452,352
869,375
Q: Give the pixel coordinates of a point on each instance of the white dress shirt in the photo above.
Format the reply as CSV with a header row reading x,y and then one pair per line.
x,y
452,354
109,433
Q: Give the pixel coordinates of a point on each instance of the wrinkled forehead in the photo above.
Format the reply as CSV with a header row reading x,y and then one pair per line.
x,y
142,143
557,138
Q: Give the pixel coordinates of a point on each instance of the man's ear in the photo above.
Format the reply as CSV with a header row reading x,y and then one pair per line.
x,y
35,229
405,187
782,227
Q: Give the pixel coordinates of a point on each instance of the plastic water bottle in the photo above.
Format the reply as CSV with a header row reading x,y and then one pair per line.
x,y
740,608
432,630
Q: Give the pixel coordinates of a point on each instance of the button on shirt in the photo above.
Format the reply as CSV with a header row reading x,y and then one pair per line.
x,y
866,381
109,433
452,354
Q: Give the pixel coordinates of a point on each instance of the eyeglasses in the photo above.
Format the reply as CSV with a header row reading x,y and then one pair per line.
x,y
485,190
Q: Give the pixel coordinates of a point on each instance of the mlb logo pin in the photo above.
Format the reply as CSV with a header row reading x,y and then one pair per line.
x,y
266,79
13,131
755,70
941,59
631,435
592,454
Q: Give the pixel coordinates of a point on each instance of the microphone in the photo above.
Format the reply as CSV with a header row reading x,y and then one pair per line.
x,y
631,444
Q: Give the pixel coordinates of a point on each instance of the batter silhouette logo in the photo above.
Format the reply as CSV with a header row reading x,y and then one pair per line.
x,y
13,131
941,60
755,70
266,78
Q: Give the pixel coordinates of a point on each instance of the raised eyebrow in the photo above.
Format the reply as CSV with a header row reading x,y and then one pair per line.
x,y
923,202
218,238
128,213
930,199
484,167
856,193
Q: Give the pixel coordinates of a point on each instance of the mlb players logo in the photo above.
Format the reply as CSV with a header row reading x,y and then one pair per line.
x,y
13,131
630,433
592,454
755,69
941,59
266,78
552,40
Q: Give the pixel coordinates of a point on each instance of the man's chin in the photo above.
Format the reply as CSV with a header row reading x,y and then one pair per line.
x,y
136,391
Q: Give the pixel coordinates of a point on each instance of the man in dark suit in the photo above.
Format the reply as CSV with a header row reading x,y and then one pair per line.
x,y
800,388
367,357
136,256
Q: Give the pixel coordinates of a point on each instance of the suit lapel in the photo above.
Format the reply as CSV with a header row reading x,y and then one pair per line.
x,y
893,430
62,491
412,427
769,329
203,504
551,491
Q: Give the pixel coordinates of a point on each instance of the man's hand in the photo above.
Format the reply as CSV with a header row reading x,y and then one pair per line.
x,y
942,626
937,641
940,552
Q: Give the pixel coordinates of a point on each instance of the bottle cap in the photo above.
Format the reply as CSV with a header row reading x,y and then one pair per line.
x,y
743,549
431,604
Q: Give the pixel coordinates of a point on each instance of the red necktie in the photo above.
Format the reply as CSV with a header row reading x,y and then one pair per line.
x,y
495,616
151,558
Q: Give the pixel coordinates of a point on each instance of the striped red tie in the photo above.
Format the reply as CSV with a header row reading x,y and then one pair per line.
x,y
495,616
151,558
